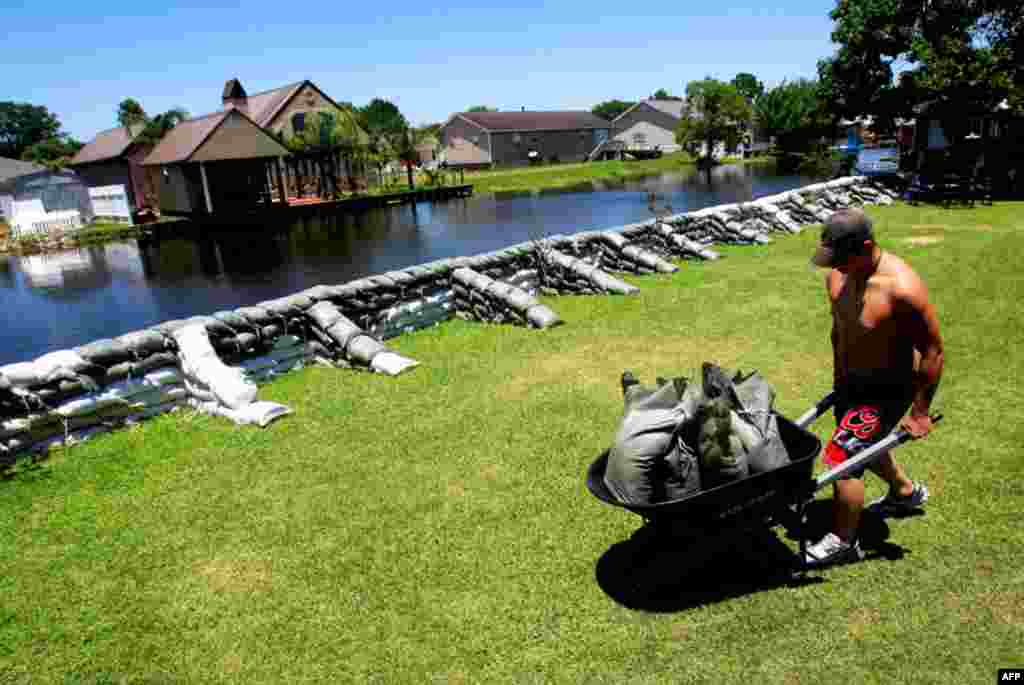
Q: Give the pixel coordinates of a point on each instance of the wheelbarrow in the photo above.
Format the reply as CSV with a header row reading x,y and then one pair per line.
x,y
776,497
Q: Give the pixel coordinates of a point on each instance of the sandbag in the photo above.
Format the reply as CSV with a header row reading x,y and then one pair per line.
x,y
105,352
757,407
637,471
200,363
143,343
391,363
723,458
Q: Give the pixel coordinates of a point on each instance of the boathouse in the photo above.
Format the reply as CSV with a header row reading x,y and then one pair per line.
x,y
115,157
216,164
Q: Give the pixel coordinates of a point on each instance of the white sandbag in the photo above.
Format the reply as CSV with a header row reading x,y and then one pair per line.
x,y
260,413
11,427
22,373
199,362
391,363
61,359
80,406
199,391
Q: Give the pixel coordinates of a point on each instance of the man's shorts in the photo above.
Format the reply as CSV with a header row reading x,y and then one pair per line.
x,y
866,410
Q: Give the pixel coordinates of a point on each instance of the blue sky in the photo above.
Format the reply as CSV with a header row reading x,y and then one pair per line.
x,y
80,59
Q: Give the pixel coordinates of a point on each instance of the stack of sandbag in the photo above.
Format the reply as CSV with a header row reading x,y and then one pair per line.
x,y
565,274
680,437
345,340
214,387
406,317
69,395
481,298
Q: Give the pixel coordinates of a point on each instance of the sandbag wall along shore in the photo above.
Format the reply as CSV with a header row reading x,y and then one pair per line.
x,y
72,394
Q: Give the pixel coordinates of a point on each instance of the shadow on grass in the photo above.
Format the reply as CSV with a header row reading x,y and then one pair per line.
x,y
662,574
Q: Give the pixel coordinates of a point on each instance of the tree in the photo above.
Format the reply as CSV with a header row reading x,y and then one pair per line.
x,y
661,94
611,108
482,108
960,54
22,125
157,127
713,112
381,117
54,153
748,86
130,113
793,113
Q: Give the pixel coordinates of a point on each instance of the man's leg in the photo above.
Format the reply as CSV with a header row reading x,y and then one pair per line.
x,y
892,473
847,506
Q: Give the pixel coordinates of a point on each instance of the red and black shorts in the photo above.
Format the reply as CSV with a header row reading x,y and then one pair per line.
x,y
866,411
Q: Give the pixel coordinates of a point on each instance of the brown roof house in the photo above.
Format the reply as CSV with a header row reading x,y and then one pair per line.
x,y
113,157
478,139
219,163
237,148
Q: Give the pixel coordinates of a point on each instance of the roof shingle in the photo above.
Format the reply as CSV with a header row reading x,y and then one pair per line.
x,y
181,141
535,121
106,145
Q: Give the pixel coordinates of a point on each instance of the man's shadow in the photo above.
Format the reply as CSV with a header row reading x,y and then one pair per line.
x,y
657,572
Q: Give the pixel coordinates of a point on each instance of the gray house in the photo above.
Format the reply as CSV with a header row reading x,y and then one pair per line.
x,y
479,139
649,125
57,190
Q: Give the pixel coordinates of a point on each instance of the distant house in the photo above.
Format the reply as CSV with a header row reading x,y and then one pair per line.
x,y
55,190
221,162
649,124
478,139
114,157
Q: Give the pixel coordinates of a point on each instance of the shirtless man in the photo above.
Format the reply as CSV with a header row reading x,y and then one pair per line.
x,y
888,357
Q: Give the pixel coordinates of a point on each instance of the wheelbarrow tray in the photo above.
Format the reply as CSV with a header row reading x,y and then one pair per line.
x,y
759,495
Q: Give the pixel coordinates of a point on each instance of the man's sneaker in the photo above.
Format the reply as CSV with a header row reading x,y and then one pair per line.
x,y
831,550
895,505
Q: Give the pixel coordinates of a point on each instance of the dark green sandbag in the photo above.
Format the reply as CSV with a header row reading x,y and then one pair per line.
x,y
105,352
722,456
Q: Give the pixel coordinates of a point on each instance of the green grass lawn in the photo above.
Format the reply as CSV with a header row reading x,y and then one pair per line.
x,y
435,527
550,176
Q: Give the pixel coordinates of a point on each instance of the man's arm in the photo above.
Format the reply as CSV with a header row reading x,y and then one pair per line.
x,y
923,327
838,358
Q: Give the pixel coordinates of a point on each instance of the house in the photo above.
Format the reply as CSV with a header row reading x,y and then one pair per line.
x,y
949,137
235,159
36,193
114,157
648,125
479,139
285,110
221,162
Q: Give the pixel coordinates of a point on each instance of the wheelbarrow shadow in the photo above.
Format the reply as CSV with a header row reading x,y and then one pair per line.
x,y
662,574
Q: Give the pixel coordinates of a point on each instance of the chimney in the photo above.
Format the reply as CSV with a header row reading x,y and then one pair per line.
x,y
234,95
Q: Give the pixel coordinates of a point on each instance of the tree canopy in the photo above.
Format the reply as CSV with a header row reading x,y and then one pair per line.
x,y
794,114
130,113
961,54
611,108
54,152
482,108
714,112
748,86
382,117
23,125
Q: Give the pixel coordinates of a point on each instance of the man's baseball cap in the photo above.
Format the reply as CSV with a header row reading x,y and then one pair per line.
x,y
844,235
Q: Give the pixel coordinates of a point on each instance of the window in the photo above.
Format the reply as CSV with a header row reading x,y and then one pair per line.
x,y
299,122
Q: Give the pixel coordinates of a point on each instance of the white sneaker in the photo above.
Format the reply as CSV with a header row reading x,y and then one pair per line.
x,y
832,549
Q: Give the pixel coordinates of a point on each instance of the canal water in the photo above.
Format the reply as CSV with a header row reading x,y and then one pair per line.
x,y
68,298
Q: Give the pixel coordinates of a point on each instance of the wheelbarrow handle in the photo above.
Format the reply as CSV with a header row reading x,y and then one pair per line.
x,y
812,414
867,456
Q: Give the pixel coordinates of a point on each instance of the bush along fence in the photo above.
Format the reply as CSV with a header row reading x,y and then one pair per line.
x,y
214,363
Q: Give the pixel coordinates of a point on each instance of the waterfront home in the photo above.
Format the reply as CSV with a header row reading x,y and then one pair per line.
x,y
219,163
114,157
480,139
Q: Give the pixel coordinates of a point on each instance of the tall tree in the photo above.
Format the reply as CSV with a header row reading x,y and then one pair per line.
x,y
130,113
382,117
22,125
960,54
748,86
158,126
611,108
713,112
794,114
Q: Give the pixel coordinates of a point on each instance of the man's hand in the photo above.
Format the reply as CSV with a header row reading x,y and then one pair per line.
x,y
917,426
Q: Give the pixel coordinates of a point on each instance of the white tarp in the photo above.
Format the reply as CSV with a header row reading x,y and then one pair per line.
x,y
111,201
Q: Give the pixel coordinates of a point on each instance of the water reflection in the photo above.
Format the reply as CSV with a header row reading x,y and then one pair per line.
x,y
69,298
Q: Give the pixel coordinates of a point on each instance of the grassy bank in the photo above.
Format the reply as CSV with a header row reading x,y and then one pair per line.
x,y
434,528
92,234
551,176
